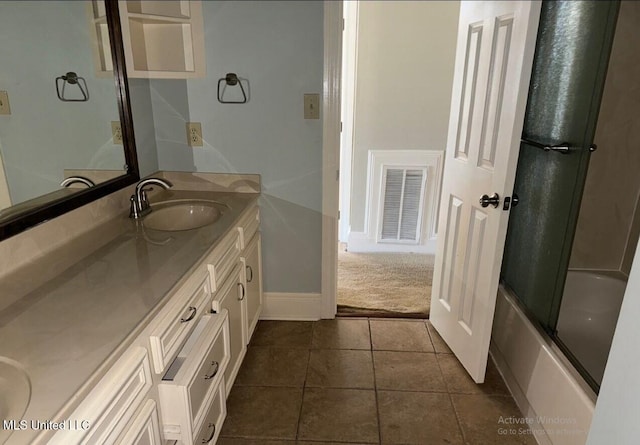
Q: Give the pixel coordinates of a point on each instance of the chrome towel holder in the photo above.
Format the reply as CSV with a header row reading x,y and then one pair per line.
x,y
72,79
231,79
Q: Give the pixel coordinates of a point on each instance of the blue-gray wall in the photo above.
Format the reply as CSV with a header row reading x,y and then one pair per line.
x,y
145,132
278,48
40,41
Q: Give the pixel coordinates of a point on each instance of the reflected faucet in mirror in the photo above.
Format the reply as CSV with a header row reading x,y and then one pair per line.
x,y
45,140
77,180
139,201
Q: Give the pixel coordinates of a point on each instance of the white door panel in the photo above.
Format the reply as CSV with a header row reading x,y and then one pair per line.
x,y
496,42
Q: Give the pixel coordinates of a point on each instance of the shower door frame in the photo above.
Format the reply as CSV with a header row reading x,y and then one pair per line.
x,y
549,324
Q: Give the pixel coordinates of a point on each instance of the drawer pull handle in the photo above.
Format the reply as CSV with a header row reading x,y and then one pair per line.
x,y
191,315
242,295
215,365
250,277
213,433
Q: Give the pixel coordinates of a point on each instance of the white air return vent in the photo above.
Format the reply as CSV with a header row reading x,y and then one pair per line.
x,y
401,207
402,204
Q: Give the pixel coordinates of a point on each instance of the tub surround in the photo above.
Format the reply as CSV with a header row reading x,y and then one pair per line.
x,y
590,307
548,390
612,188
67,312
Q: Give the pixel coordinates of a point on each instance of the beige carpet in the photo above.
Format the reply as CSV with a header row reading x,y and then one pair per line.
x,y
385,282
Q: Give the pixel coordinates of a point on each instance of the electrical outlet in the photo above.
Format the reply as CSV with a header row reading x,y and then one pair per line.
x,y
312,106
194,134
116,132
4,103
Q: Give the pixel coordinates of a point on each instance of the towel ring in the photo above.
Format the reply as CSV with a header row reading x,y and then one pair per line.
x,y
73,79
231,79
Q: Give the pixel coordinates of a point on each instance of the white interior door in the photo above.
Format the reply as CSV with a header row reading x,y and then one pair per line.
x,y
494,56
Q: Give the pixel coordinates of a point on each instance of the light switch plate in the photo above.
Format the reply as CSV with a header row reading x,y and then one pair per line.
x,y
116,132
312,106
5,109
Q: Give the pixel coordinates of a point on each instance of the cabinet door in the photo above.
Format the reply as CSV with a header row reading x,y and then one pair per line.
x,y
145,428
231,297
252,260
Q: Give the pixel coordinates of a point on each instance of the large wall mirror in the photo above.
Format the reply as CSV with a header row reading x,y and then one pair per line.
x,y
60,117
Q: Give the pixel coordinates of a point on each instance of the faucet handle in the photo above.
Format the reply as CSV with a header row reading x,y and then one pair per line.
x,y
144,201
133,209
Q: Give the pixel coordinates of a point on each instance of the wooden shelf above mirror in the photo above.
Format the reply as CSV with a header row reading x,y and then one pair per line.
x,y
162,39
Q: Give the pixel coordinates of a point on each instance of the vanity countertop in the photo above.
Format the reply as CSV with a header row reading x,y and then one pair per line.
x,y
67,327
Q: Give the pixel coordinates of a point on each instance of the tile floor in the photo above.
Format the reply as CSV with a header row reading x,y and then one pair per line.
x,y
362,381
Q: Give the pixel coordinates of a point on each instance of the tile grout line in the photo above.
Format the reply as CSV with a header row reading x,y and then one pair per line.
x,y
375,382
433,345
455,411
304,383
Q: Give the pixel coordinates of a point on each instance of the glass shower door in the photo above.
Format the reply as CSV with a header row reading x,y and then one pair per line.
x,y
574,42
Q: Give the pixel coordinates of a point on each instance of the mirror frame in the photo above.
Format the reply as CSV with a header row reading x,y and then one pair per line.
x,y
58,206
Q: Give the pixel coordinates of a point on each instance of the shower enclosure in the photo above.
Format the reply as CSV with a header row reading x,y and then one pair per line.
x,y
573,233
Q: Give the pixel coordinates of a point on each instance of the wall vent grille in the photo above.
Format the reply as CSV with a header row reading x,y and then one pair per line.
x,y
402,204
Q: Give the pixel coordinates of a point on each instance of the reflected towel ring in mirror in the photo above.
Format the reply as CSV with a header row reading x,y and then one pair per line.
x,y
231,79
73,79
77,180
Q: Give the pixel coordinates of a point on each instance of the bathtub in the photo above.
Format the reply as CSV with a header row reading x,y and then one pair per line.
x,y
588,315
551,394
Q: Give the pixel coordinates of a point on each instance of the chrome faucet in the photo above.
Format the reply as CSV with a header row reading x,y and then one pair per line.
x,y
77,179
139,202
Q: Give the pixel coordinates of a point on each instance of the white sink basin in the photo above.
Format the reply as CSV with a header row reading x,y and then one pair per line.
x,y
182,215
15,393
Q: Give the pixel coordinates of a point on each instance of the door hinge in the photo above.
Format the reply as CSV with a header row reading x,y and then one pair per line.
x,y
337,175
338,214
343,24
340,126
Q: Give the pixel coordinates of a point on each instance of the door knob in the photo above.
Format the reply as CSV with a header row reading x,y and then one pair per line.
x,y
494,200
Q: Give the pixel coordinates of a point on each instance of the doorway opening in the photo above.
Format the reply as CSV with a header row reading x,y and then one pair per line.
x,y
397,75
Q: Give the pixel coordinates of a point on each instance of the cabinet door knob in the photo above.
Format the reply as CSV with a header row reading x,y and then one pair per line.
x,y
213,433
193,311
242,293
215,365
250,275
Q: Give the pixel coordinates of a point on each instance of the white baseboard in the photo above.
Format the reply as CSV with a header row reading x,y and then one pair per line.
x,y
291,306
360,242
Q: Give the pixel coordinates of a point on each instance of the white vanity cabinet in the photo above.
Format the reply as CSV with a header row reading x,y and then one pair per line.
x,y
252,261
241,293
190,386
172,326
230,297
145,428
111,404
251,257
172,380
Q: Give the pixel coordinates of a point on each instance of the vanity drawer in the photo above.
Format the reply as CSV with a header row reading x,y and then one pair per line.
x,y
223,258
110,405
145,428
248,226
177,319
188,387
212,425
